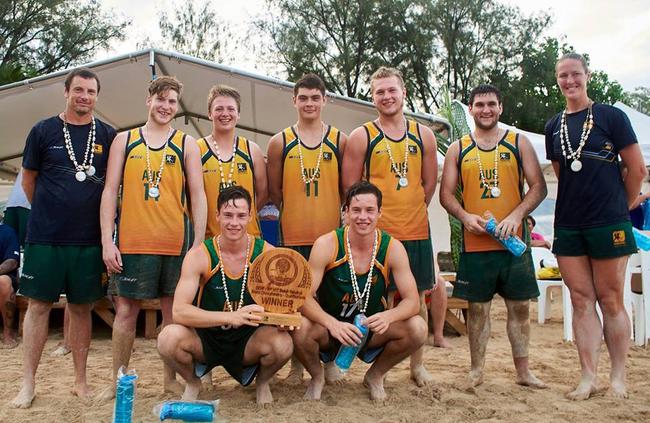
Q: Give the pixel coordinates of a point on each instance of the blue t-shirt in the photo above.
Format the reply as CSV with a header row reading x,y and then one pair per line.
x,y
594,196
9,247
64,210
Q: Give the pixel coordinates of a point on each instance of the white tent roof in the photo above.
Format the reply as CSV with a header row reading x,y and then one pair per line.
x,y
266,102
641,125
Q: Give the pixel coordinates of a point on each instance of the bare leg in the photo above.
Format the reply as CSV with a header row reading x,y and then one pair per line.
x,y
333,376
518,327
63,348
34,337
438,310
271,348
400,340
8,311
478,329
609,282
296,372
577,274
170,384
179,348
418,373
126,317
307,342
80,333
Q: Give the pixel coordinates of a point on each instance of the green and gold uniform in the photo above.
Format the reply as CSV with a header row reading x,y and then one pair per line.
x,y
225,346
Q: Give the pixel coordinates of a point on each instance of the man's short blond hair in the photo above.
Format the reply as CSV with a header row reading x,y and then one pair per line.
x,y
162,84
220,90
386,72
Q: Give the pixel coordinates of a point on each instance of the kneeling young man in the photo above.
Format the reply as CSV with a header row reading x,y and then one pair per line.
x,y
341,265
212,325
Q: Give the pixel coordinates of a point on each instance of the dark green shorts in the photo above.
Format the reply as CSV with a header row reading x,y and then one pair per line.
x,y
609,241
483,274
16,217
226,348
146,276
304,250
420,253
51,270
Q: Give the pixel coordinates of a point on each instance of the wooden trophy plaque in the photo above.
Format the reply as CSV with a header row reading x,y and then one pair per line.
x,y
279,281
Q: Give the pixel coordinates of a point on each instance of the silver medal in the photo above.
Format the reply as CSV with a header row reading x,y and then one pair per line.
x,y
576,165
154,192
91,170
80,176
495,192
403,182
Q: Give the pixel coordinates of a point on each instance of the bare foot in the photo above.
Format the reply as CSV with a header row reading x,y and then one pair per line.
x,y
420,376
9,344
586,387
375,385
295,374
24,398
60,351
441,342
315,388
192,390
206,382
174,387
263,394
333,376
530,380
475,378
81,390
617,390
107,394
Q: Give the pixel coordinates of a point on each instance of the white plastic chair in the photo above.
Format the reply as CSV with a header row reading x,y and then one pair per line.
x,y
544,299
641,302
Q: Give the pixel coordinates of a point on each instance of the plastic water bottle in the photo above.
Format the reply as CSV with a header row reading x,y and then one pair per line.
x,y
346,353
642,240
513,243
192,411
124,396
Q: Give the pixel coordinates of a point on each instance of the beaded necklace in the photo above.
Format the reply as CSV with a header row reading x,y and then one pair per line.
x,y
565,143
320,156
154,191
361,298
225,182
86,167
223,274
403,180
495,191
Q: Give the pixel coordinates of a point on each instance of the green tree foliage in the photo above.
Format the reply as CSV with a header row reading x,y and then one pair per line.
x,y
639,99
42,36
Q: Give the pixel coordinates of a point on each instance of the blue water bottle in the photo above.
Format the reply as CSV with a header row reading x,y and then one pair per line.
x,y
513,243
187,411
642,240
124,396
346,353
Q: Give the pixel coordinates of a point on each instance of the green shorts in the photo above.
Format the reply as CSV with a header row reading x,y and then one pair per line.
x,y
16,217
226,348
51,270
420,253
146,276
609,241
304,250
483,274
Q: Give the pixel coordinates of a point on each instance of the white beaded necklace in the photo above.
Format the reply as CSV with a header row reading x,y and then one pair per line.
x,y
565,142
403,180
225,182
495,191
86,167
320,156
154,191
223,274
361,298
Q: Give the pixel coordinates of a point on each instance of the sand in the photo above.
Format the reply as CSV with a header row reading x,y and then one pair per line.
x,y
498,399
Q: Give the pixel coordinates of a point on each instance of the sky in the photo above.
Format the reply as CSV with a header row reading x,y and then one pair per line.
x,y
615,34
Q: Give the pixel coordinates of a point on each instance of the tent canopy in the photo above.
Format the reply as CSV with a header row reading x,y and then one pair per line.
x,y
266,102
641,125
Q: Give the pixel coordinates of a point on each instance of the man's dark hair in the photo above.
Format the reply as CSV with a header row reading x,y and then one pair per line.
x,y
362,187
310,81
484,89
532,220
233,193
84,73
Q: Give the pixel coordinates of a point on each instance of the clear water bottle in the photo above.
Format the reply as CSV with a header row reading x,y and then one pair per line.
x,y
124,396
187,411
513,243
346,353
642,240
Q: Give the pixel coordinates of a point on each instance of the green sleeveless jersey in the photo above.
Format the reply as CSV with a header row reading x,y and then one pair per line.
x,y
210,295
335,294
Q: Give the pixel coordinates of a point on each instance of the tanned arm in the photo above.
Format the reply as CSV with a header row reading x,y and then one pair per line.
x,y
274,169
108,208
354,158
194,176
429,163
261,180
